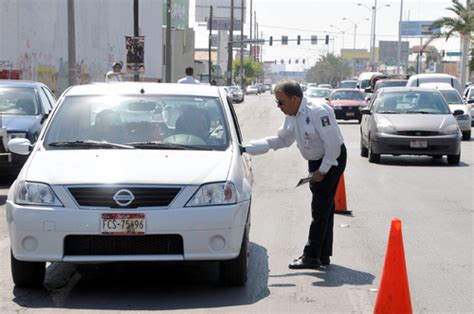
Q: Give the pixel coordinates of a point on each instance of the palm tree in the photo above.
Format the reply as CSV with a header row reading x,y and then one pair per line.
x,y
462,24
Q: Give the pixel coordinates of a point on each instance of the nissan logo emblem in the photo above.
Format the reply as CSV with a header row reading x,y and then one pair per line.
x,y
123,197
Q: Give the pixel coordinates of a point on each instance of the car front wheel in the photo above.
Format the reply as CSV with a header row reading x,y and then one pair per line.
x,y
234,272
454,159
364,152
373,157
466,136
27,274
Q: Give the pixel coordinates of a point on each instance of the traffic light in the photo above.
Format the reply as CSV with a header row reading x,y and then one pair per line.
x,y
275,61
298,40
314,40
284,40
271,40
327,40
303,61
296,61
289,61
282,61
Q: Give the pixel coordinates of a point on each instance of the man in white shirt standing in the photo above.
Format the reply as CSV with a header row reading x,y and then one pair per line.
x,y
116,74
319,140
188,79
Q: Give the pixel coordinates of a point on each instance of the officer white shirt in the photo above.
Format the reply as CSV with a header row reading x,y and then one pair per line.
x,y
112,76
317,135
188,80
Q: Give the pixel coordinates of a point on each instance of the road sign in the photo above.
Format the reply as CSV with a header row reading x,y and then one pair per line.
x,y
454,53
284,40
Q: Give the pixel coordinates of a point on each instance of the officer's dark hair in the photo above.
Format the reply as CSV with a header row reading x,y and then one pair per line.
x,y
289,88
189,71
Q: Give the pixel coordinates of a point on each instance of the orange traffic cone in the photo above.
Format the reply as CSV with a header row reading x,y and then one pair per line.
x,y
394,293
340,198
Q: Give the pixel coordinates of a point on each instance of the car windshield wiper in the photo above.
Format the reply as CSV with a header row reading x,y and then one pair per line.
x,y
387,111
419,111
161,145
91,144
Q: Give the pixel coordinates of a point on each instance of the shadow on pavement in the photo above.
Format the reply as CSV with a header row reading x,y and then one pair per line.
x,y
146,286
334,276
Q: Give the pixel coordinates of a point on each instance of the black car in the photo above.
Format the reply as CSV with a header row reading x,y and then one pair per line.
x,y
24,107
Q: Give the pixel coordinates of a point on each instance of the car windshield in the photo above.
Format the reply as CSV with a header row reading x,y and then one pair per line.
x,y
347,95
389,84
18,101
152,122
364,83
319,93
407,102
452,97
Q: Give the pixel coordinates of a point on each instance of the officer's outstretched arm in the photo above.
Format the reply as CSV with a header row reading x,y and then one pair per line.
x,y
257,147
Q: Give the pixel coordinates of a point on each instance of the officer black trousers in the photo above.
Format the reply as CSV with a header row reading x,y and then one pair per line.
x,y
322,208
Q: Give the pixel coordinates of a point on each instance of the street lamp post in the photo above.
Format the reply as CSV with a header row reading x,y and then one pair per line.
x,y
373,10
355,36
342,32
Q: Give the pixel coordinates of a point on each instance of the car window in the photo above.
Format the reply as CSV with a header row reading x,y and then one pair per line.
x,y
411,102
18,101
45,102
347,95
389,84
50,95
198,121
452,97
320,93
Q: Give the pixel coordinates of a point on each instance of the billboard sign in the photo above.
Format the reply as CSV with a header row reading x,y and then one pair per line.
x,y
418,29
221,24
179,14
135,47
221,9
388,51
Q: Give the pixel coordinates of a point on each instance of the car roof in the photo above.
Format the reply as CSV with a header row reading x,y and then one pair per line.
x,y
406,89
346,90
21,83
143,88
438,85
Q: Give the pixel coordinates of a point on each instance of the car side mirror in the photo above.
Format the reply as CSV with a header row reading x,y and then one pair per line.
x,y
20,146
368,90
44,117
458,112
365,110
326,98
470,101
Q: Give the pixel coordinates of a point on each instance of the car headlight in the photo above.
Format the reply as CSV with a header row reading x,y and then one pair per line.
x,y
450,129
386,128
463,117
221,193
34,193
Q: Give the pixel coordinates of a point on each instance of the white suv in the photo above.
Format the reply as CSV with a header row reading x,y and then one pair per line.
x,y
133,172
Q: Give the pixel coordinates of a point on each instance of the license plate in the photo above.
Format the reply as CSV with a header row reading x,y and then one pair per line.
x,y
123,224
418,143
350,114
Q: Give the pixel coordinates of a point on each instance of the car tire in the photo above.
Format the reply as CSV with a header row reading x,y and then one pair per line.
x,y
454,159
27,274
437,156
373,157
466,136
364,152
234,272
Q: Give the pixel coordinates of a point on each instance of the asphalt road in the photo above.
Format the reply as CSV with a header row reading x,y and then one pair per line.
x,y
433,200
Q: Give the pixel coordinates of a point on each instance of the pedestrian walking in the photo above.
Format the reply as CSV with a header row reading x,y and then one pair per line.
x,y
320,142
116,74
188,79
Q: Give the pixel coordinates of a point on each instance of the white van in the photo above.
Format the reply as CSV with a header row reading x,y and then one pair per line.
x,y
418,79
364,78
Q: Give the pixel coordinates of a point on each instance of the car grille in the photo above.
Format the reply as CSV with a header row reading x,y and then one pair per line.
x,y
123,245
99,196
418,133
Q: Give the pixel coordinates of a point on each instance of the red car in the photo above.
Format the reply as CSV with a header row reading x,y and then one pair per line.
x,y
346,103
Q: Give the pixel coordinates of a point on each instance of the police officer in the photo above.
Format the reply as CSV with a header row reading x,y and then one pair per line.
x,y
319,140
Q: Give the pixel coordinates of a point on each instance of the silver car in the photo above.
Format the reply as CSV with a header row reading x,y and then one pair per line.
x,y
409,121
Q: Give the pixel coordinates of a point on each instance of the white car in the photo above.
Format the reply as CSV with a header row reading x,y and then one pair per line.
x,y
317,94
455,102
133,172
469,98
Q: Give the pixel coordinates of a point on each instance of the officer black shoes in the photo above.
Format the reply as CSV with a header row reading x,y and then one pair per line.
x,y
325,260
305,262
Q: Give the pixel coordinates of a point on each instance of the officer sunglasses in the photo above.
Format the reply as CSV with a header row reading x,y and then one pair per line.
x,y
280,103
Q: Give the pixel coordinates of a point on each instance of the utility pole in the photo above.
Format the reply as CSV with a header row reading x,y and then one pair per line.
x,y
229,49
399,48
71,42
465,53
250,33
255,32
241,69
136,77
168,42
210,43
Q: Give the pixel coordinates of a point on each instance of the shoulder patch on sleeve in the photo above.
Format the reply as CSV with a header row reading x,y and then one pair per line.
x,y
325,121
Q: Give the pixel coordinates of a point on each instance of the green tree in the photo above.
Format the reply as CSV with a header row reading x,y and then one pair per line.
x,y
329,69
252,70
462,24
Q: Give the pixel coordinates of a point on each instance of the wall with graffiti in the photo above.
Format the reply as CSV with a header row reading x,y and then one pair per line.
x,y
36,33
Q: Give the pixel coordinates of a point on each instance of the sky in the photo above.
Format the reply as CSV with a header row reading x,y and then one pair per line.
x,y
314,17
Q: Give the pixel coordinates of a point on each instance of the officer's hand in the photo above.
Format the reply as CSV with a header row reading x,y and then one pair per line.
x,y
318,176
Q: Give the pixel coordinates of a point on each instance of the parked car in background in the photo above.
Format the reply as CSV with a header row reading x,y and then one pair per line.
x,y
252,89
455,102
348,84
469,98
347,103
418,79
236,93
317,94
409,121
114,177
24,107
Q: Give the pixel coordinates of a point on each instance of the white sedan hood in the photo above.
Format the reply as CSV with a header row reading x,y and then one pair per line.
x,y
421,122
135,166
